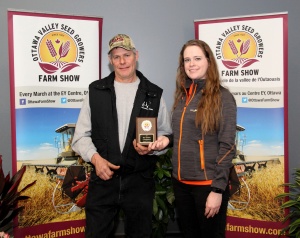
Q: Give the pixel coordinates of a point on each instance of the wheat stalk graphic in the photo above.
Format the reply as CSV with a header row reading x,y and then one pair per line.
x,y
64,49
239,61
54,66
233,47
51,48
245,47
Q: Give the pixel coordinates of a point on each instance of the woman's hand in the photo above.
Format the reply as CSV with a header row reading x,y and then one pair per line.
x,y
213,204
161,143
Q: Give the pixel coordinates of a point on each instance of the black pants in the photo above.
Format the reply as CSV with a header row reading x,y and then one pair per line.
x,y
132,193
190,204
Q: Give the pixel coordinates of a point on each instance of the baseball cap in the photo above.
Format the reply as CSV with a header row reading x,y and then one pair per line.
x,y
121,40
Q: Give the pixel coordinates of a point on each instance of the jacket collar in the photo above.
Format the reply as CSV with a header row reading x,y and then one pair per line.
x,y
108,83
200,83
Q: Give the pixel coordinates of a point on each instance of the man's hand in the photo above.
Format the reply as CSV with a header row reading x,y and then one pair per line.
x,y
142,150
104,169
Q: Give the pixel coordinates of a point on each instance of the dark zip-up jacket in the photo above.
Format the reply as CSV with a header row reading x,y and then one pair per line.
x,y
215,161
105,135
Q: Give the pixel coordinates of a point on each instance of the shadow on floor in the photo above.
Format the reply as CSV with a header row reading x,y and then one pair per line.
x,y
172,232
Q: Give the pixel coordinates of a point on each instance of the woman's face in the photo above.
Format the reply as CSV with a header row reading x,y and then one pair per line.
x,y
195,62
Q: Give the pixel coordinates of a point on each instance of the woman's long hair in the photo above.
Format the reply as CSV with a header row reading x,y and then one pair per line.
x,y
209,107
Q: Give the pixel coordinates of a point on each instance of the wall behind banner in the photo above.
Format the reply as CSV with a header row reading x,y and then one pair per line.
x,y
159,29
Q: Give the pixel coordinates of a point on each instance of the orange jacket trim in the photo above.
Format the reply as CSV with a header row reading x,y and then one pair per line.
x,y
191,95
203,182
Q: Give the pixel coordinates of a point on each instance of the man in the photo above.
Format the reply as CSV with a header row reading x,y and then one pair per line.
x,y
122,175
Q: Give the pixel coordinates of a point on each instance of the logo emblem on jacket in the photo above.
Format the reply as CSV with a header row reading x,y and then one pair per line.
x,y
146,106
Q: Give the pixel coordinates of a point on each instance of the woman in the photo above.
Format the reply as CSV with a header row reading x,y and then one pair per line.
x,y
204,127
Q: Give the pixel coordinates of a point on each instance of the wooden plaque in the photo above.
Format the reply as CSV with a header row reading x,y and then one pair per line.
x,y
146,130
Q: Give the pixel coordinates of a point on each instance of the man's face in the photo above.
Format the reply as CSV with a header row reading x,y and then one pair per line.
x,y
124,63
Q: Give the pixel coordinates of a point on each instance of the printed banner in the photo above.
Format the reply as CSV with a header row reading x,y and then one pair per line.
x,y
53,58
251,53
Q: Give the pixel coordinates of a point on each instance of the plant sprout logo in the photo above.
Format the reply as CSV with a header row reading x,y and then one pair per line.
x,y
239,50
58,52
146,125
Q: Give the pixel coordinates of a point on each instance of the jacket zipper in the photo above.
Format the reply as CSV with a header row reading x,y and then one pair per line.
x,y
202,161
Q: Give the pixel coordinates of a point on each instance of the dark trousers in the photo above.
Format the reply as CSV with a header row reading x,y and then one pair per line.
x,y
190,204
132,193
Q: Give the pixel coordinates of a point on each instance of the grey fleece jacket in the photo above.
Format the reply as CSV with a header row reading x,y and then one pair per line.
x,y
219,147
